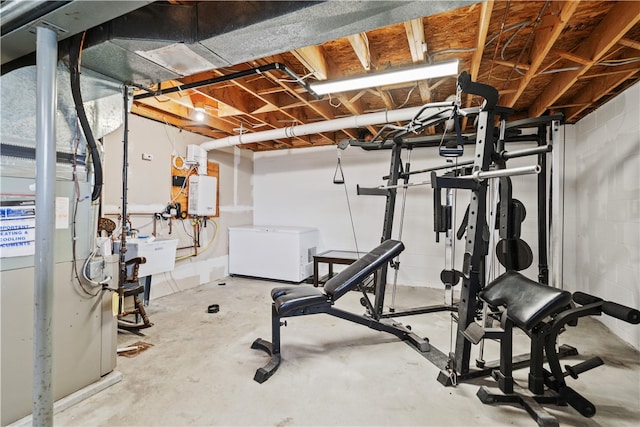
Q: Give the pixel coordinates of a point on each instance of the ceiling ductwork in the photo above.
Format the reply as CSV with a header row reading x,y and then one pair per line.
x,y
163,41
66,18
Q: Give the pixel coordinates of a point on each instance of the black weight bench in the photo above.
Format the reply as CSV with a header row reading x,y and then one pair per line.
x,y
301,300
542,312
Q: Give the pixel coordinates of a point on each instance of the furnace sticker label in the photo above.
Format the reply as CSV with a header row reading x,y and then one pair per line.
x,y
17,228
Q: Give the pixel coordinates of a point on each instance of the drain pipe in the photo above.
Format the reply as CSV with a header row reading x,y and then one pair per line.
x,y
46,59
328,125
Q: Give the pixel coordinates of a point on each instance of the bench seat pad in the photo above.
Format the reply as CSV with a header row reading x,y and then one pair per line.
x,y
291,298
527,302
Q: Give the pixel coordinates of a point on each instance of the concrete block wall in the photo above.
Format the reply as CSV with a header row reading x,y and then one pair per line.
x,y
602,202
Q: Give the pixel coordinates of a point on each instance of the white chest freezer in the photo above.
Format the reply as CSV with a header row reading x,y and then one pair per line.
x,y
272,252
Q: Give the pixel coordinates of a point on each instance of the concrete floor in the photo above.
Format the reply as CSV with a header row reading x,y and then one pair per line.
x,y
200,370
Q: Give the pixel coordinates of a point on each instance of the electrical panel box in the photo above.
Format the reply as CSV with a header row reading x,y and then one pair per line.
x,y
203,195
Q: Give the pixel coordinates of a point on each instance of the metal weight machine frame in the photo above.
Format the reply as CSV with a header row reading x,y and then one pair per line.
x,y
489,150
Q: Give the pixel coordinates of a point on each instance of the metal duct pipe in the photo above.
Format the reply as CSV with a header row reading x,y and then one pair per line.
x,y
46,59
15,14
327,126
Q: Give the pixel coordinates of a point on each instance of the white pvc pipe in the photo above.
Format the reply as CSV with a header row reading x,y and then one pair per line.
x,y
326,126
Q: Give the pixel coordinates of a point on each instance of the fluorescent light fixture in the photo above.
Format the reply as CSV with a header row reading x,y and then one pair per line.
x,y
401,75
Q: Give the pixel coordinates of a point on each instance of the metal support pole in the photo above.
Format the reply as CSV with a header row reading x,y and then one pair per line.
x,y
543,268
450,246
125,165
46,60
394,174
556,232
475,249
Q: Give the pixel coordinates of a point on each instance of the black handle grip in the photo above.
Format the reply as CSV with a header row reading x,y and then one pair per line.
x,y
584,299
577,402
619,311
489,93
582,367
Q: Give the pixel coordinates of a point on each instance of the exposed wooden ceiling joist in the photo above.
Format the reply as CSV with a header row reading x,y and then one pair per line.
x,y
612,28
539,55
552,23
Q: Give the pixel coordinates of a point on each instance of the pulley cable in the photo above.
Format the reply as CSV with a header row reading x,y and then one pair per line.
x,y
396,263
341,180
450,263
338,179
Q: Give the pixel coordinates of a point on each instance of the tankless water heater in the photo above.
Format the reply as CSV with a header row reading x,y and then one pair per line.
x,y
203,192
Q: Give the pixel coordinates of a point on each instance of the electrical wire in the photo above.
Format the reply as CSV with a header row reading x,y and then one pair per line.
x,y
407,99
303,78
518,26
537,22
185,230
215,236
173,145
453,50
510,39
74,239
183,187
509,28
616,62
495,52
332,104
204,249
173,284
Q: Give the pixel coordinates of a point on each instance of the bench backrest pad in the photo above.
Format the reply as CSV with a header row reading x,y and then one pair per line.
x,y
355,273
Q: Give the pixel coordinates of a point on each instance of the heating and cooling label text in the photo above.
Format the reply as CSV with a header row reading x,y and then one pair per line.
x,y
17,228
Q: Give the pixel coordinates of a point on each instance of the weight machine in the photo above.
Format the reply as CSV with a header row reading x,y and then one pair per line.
x,y
540,310
489,162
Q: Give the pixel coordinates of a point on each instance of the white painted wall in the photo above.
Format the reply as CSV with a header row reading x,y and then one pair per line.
x,y
149,191
602,223
295,187
601,253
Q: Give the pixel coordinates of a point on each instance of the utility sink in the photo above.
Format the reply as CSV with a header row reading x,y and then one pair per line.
x,y
160,254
